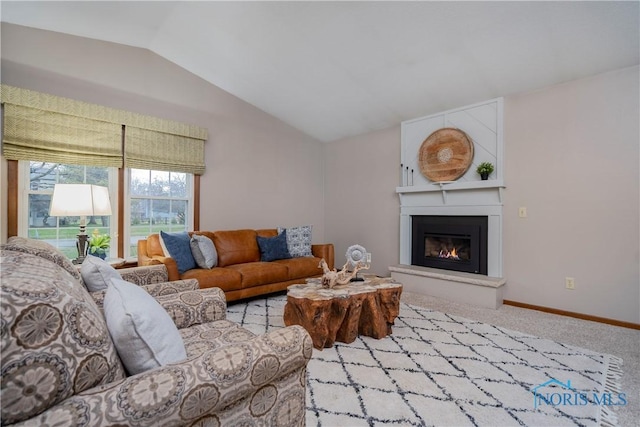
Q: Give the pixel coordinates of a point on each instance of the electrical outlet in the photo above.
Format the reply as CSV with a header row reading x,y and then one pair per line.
x,y
570,282
369,257
522,212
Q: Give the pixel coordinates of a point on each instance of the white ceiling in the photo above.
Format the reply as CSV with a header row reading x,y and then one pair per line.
x,y
334,69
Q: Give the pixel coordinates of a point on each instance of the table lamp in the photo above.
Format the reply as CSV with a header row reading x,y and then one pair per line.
x,y
80,200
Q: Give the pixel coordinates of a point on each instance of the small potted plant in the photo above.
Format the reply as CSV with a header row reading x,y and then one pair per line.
x,y
99,244
485,169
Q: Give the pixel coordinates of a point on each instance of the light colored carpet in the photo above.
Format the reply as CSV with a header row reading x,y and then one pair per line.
x,y
621,342
441,369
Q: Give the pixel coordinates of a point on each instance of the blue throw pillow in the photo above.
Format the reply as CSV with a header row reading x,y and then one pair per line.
x,y
273,248
179,247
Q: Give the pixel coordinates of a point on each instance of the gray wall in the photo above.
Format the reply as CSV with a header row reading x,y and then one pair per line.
x,y
572,159
361,204
261,173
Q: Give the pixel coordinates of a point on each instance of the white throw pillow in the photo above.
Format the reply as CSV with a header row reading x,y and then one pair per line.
x,y
143,332
203,251
97,273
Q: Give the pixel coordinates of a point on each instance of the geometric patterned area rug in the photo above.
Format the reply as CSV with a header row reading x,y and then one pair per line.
x,y
442,370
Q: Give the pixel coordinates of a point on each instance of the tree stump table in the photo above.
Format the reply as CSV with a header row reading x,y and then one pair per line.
x,y
340,314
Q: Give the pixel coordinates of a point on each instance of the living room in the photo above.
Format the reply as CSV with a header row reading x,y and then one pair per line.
x,y
571,158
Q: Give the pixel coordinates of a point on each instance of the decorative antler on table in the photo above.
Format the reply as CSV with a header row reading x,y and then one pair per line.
x,y
331,278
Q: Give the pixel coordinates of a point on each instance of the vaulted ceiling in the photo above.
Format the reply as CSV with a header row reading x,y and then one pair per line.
x,y
335,69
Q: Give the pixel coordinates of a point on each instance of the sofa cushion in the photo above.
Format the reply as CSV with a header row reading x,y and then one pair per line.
x,y
141,329
267,232
55,342
180,249
223,278
273,248
298,240
97,273
236,247
154,246
203,251
260,273
43,250
211,335
301,267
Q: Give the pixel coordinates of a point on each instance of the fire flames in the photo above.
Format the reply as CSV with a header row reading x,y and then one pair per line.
x,y
445,253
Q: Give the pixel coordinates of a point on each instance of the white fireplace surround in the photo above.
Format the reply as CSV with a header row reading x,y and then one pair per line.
x,y
469,288
468,196
494,230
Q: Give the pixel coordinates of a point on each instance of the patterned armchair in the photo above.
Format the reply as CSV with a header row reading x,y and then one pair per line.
x,y
60,366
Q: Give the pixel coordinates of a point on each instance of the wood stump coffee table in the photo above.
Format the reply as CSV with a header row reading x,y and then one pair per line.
x,y
340,314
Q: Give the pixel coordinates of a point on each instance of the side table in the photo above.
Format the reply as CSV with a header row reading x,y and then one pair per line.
x,y
367,308
113,262
116,262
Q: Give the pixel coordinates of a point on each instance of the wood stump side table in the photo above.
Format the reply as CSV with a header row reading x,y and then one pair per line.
x,y
340,314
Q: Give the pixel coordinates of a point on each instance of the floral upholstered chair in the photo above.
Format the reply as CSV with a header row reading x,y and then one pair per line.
x,y
61,364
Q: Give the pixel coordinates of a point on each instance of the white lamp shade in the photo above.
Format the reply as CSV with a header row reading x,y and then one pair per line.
x,y
80,200
100,198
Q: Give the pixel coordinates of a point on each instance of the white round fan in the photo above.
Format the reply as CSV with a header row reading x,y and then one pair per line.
x,y
356,254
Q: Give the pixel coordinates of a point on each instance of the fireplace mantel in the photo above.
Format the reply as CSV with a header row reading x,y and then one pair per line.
x,y
450,185
444,187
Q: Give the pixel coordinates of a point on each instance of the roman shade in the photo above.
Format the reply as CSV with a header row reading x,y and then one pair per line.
x,y
50,136
150,149
44,127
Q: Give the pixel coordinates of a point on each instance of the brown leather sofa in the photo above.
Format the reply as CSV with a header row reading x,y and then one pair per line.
x,y
240,273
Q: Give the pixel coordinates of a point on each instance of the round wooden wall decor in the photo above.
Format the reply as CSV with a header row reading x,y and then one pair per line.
x,y
445,155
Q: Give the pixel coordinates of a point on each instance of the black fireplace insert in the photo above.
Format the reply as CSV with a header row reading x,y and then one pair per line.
x,y
457,243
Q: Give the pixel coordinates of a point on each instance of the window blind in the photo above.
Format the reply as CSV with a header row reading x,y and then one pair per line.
x,y
150,149
35,134
44,127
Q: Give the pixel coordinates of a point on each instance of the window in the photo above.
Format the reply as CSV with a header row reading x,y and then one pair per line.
x,y
38,179
44,135
158,200
154,201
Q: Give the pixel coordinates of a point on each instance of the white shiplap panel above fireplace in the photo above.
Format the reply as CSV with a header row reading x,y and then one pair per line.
x,y
482,122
